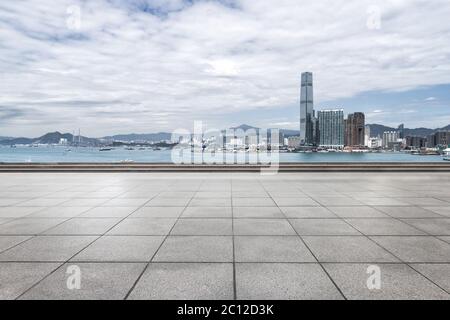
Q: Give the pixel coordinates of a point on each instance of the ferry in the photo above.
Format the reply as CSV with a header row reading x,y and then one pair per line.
x,y
105,149
447,154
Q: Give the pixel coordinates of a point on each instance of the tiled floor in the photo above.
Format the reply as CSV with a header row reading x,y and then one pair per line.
x,y
224,235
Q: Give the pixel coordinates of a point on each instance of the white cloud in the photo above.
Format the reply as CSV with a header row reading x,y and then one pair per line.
x,y
155,64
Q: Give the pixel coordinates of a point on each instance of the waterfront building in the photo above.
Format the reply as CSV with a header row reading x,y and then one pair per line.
x,y
331,128
306,109
293,142
415,142
354,129
375,143
367,136
401,131
389,137
439,138
277,135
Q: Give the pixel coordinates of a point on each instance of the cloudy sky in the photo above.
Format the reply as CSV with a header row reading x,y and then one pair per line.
x,y
123,66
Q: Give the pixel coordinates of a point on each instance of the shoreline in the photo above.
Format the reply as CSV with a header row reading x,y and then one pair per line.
x,y
281,167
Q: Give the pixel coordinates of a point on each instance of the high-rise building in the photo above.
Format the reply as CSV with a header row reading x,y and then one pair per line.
x,y
331,128
441,138
389,137
401,131
354,129
415,142
307,109
367,135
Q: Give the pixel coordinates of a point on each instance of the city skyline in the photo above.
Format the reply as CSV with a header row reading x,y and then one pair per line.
x,y
160,65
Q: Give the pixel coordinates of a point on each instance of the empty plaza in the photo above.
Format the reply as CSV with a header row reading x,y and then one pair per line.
x,y
199,235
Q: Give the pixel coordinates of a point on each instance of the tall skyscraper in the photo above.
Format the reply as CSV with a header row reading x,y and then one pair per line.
x,y
367,135
306,109
331,128
401,131
354,129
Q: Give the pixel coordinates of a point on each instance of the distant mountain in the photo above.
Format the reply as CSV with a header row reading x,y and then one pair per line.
x,y
50,138
149,137
244,127
285,132
378,129
289,133
55,137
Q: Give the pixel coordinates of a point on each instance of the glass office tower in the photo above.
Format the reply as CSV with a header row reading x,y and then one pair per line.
x,y
306,110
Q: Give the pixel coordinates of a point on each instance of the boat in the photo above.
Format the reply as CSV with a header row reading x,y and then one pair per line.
x,y
447,154
126,161
105,149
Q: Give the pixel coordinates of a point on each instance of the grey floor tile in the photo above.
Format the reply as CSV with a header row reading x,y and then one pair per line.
x,y
207,212
271,249
143,226
287,194
397,281
295,202
384,226
443,211
416,249
29,226
4,220
17,212
307,212
84,226
108,212
201,227
41,202
105,281
185,281
383,202
257,212
249,194
7,242
176,194
84,202
253,202
446,239
408,212
168,202
431,226
212,194
121,248
59,212
47,248
125,202
338,201
272,227
357,212
421,201
438,273
261,281
347,249
16,278
10,201
210,202
323,227
158,212
196,249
